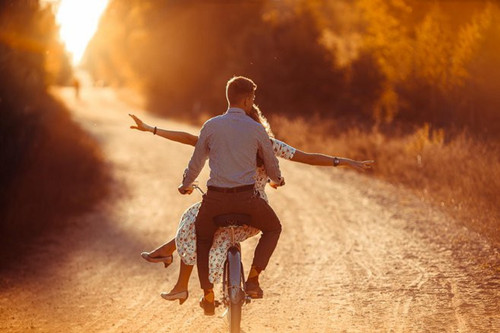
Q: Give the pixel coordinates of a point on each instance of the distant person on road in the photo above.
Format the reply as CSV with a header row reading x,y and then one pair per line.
x,y
76,86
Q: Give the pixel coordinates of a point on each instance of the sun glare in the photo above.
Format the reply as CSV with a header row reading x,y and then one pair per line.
x,y
78,22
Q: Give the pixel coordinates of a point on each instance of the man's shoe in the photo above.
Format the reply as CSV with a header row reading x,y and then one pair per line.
x,y
208,307
253,289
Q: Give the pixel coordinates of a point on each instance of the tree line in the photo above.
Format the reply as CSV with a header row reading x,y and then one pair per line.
x,y
366,61
49,168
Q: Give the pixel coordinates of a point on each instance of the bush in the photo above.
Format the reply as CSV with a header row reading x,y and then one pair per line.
x,y
50,169
53,170
456,173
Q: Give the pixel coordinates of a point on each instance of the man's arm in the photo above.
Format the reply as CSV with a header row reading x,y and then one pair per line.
x,y
197,161
266,152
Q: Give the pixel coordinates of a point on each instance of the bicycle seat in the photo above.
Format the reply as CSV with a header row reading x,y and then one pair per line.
x,y
232,219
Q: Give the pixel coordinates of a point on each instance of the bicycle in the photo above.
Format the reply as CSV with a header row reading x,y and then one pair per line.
x,y
233,281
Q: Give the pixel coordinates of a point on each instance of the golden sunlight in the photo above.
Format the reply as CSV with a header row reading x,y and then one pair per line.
x,y
78,21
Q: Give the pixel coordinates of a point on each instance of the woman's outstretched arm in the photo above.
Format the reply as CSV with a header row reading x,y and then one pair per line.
x,y
177,136
326,160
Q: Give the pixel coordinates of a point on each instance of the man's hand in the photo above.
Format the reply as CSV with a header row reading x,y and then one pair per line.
x,y
141,126
185,189
276,185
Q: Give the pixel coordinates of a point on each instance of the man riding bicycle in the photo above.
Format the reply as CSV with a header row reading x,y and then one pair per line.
x,y
232,143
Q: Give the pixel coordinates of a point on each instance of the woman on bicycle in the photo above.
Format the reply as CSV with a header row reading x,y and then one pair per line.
x,y
185,240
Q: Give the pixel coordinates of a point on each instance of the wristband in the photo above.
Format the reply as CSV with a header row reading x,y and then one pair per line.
x,y
154,132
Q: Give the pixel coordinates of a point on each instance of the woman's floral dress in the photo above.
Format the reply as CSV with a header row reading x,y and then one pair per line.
x,y
185,239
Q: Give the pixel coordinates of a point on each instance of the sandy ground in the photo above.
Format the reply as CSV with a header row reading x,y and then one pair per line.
x,y
355,255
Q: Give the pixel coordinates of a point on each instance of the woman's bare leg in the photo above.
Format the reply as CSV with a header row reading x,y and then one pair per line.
x,y
164,250
183,279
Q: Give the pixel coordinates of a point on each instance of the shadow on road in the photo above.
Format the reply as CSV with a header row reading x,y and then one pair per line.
x,y
92,236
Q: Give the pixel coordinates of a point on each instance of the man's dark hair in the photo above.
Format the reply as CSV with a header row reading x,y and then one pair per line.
x,y
239,87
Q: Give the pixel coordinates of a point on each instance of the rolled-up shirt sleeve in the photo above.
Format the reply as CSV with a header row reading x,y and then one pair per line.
x,y
270,161
199,158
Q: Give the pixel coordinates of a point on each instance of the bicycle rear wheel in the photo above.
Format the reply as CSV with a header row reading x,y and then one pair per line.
x,y
234,289
234,316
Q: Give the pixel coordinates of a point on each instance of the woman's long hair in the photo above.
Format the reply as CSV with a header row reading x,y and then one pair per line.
x,y
257,115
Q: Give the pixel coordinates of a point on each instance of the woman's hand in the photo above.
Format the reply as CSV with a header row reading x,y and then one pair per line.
x,y
140,125
361,165
276,185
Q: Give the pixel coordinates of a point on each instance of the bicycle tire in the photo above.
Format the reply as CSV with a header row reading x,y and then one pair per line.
x,y
234,315
235,289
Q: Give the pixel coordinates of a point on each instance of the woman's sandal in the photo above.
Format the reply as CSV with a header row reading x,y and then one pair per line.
x,y
165,260
182,296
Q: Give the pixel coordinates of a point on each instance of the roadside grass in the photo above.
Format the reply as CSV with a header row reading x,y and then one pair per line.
x,y
56,171
457,173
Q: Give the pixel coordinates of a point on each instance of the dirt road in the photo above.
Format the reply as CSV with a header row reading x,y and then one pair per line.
x,y
355,255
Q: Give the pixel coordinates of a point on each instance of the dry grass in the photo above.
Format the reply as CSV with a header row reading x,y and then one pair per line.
x,y
458,174
61,174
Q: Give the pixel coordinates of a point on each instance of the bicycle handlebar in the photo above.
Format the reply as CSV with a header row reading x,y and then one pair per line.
x,y
195,186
